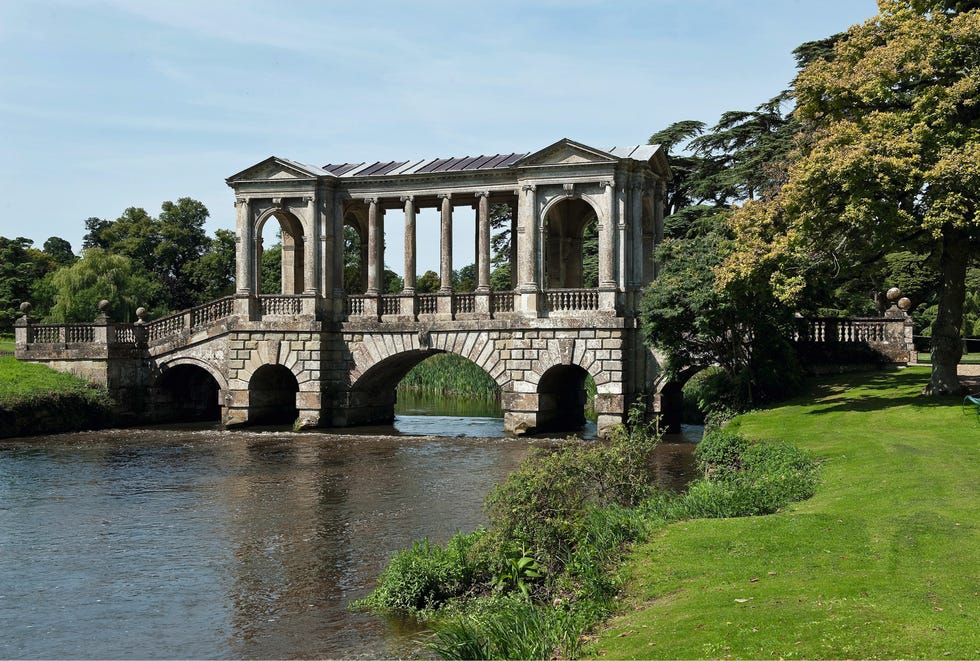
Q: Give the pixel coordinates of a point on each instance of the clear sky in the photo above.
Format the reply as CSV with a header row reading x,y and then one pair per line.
x,y
117,103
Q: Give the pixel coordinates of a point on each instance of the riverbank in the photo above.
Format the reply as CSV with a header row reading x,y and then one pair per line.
x,y
35,399
881,563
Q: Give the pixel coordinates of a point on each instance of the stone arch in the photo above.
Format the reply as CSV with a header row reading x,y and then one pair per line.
x,y
567,222
381,361
375,348
279,352
293,251
188,389
272,395
210,368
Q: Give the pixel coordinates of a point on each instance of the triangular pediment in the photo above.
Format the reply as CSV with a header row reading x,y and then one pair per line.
x,y
274,168
566,152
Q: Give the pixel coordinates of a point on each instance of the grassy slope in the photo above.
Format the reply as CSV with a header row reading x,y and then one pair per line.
x,y
884,562
24,381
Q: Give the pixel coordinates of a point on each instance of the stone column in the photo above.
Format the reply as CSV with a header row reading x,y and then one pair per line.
x,y
372,249
311,244
513,244
410,244
446,245
326,246
607,239
337,262
527,250
244,239
483,243
621,238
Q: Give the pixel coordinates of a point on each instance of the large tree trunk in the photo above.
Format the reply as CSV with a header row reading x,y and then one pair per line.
x,y
947,343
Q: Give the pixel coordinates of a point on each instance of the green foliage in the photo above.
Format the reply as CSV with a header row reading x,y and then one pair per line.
x,y
213,274
745,479
426,576
518,572
508,629
60,251
35,399
450,374
272,269
542,506
427,283
100,275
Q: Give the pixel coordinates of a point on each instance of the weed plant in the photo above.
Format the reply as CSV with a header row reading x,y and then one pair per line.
x,y
545,570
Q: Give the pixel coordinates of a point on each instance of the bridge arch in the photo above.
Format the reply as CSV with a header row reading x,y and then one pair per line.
x,y
187,389
293,250
272,395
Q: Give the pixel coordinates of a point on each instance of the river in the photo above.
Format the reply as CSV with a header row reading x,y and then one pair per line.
x,y
193,542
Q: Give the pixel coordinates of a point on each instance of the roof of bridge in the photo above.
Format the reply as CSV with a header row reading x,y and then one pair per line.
x,y
423,166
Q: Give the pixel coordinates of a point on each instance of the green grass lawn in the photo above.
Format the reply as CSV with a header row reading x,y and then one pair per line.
x,y
7,343
884,562
925,358
23,381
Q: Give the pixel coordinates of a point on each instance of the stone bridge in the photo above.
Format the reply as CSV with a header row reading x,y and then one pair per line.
x,y
583,223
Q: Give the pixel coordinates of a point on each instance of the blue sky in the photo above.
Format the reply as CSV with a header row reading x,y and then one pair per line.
x,y
118,103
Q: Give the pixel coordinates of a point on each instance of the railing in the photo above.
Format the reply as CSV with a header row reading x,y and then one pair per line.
x,y
390,304
501,302
354,305
464,303
572,299
125,334
46,334
164,326
280,305
427,303
845,331
207,314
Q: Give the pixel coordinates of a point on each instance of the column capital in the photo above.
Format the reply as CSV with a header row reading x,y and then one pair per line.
x,y
371,200
609,183
239,201
529,187
482,193
568,188
406,198
308,198
445,196
278,202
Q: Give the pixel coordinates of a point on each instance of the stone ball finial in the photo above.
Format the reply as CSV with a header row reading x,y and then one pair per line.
x,y
25,307
140,313
103,306
905,303
893,294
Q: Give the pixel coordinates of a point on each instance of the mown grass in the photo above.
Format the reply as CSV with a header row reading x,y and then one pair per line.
x,y
925,358
6,343
35,399
883,562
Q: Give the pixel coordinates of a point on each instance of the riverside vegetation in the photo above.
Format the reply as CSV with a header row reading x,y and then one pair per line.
x,y
544,570
881,563
35,399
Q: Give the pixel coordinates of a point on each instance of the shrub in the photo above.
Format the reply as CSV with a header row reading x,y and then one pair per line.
x,y
426,575
720,452
543,505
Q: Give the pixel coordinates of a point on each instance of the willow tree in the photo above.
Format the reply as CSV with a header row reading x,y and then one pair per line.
x,y
888,156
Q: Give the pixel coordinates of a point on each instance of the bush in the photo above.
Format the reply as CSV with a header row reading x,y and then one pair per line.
x,y
543,505
745,479
426,576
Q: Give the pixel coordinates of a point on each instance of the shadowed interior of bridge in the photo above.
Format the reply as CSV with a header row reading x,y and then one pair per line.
x,y
272,396
561,399
188,394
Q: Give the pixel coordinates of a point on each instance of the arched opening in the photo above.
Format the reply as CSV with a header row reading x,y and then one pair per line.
x,y
272,396
571,245
428,392
280,254
561,399
503,247
187,393
355,253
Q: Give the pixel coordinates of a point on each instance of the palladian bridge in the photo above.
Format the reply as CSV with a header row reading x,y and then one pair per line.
x,y
317,355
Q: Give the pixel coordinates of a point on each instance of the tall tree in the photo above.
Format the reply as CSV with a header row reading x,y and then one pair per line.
x,y
60,251
182,241
101,275
888,157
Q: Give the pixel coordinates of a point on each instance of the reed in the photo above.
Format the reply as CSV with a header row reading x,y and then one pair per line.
x,y
449,374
